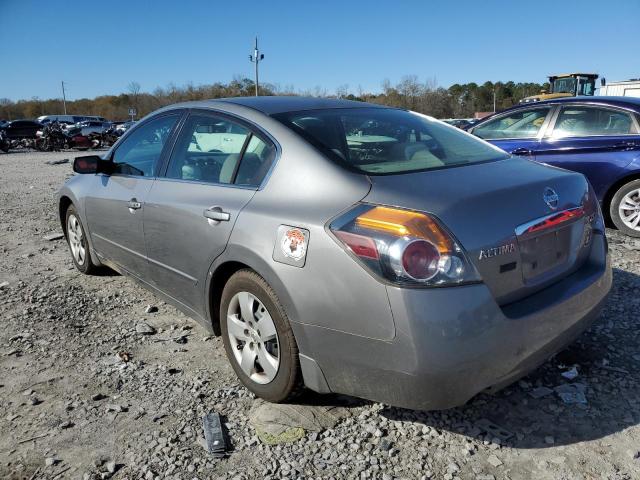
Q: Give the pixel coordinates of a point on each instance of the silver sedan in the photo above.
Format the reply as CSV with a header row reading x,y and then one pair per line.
x,y
346,247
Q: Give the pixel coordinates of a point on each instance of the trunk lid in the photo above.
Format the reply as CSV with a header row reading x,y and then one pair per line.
x,y
500,215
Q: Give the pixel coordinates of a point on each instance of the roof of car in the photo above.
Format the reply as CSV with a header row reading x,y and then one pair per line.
x,y
596,99
281,104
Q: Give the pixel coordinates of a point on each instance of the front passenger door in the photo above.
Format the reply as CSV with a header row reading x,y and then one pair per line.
x,y
115,205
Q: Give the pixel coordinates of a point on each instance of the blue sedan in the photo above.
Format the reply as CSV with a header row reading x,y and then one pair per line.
x,y
596,136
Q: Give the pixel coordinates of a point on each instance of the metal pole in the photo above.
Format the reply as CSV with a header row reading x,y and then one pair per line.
x,y
64,99
256,58
255,51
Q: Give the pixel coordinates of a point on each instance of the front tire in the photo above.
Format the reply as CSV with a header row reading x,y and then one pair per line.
x,y
258,338
78,243
625,209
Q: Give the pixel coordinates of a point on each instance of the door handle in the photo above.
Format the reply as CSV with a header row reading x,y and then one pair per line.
x,y
626,146
216,215
134,204
522,152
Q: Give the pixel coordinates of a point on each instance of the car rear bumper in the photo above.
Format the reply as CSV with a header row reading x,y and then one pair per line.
x,y
453,343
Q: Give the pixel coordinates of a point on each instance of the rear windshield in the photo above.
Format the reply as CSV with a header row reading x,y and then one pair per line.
x,y
379,141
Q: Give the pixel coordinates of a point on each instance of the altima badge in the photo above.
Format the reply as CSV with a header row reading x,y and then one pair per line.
x,y
551,198
497,251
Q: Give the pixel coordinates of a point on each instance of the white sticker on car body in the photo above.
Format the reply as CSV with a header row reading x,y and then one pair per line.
x,y
292,244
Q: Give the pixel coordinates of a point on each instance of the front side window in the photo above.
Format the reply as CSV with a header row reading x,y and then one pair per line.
x,y
576,121
587,86
140,152
379,141
213,149
519,124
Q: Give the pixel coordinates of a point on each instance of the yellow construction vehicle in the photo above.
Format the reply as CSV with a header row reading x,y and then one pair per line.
x,y
566,85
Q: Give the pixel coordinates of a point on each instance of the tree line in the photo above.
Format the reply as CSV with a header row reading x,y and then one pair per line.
x,y
457,101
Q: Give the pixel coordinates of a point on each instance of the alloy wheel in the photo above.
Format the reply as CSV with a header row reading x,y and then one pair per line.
x,y
629,209
76,239
253,337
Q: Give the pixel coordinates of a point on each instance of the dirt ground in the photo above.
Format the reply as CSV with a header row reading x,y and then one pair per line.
x,y
85,392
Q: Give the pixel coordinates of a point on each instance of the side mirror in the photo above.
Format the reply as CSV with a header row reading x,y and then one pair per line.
x,y
90,164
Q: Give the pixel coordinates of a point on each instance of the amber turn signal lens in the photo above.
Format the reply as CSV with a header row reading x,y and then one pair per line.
x,y
405,223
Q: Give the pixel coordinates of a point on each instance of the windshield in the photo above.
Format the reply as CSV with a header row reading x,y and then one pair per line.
x,y
380,141
564,85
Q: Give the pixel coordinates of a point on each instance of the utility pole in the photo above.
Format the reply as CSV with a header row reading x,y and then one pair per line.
x,y
494,98
256,58
64,99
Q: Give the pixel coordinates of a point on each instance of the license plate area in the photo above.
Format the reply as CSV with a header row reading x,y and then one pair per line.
x,y
550,245
544,252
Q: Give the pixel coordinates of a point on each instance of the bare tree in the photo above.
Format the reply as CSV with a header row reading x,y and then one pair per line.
x,y
410,89
342,91
431,83
320,91
6,104
134,89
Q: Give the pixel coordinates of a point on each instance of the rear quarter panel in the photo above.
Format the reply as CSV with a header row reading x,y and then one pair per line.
x,y
307,190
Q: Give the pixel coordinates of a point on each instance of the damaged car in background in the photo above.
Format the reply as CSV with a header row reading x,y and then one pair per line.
x,y
346,247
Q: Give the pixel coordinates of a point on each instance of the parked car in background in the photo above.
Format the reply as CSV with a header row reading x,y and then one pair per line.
x,y
92,126
70,119
5,144
122,127
21,129
462,123
596,136
344,246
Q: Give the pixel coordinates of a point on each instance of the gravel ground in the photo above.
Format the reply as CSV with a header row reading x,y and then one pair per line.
x,y
88,390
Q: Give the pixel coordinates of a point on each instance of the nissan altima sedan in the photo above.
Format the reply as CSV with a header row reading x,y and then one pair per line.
x,y
346,247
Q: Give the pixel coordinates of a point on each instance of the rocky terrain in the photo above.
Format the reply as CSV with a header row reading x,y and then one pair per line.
x,y
95,384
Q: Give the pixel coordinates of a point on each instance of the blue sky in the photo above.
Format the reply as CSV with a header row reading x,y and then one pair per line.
x,y
98,47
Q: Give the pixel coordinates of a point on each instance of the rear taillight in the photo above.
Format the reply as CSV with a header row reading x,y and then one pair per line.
x,y
403,246
593,216
593,210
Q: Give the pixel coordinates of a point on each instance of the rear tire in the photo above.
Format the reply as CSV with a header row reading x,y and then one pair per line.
x,y
625,209
258,339
78,243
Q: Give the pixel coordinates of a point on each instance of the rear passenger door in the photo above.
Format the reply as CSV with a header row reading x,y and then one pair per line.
x,y
217,164
596,141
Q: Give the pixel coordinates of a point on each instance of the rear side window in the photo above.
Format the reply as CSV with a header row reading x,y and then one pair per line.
x,y
577,121
256,161
379,141
139,153
213,149
519,124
